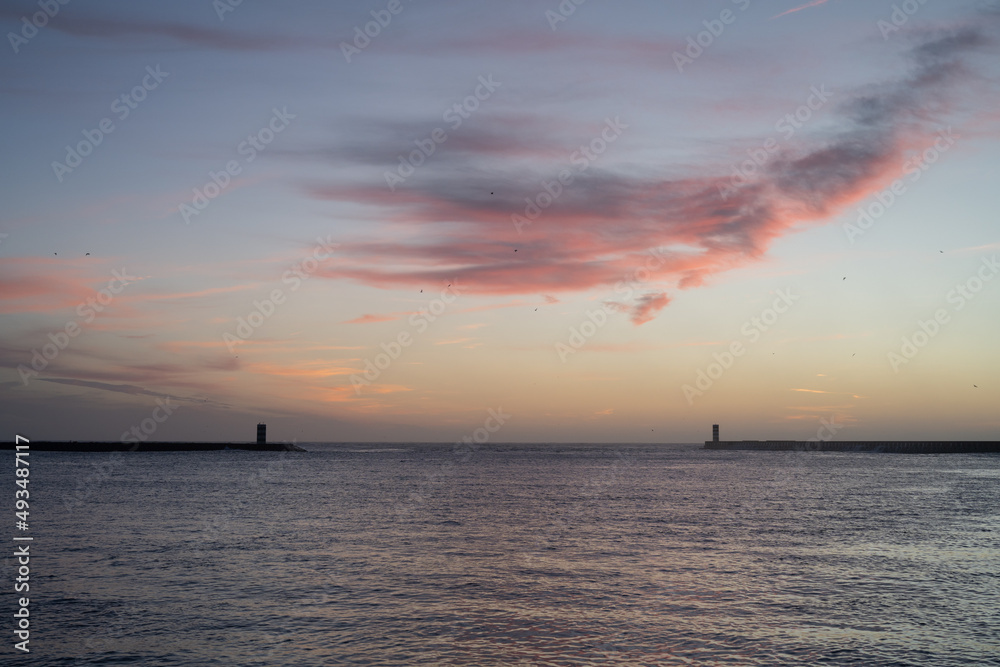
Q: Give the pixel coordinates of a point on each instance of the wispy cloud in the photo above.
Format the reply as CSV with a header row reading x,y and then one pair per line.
x,y
814,3
128,389
454,341
371,319
185,33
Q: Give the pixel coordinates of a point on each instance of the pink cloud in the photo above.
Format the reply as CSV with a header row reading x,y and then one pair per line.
x,y
43,284
642,231
648,306
370,319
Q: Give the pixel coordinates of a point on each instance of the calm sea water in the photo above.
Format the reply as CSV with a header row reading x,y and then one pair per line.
x,y
513,555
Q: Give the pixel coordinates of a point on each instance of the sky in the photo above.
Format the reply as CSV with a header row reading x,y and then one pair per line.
x,y
527,221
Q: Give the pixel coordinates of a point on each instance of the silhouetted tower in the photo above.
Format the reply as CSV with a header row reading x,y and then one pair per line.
x,y
715,432
261,434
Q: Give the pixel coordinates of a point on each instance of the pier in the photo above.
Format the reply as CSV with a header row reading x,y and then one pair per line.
x,y
43,446
890,446
133,444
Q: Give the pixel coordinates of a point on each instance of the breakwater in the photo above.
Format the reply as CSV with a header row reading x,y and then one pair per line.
x,y
892,446
42,446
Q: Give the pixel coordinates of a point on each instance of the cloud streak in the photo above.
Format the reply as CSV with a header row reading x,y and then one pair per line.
x,y
601,227
109,28
814,3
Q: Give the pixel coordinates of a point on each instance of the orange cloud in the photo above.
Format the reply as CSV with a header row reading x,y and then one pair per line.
x,y
369,319
453,341
291,371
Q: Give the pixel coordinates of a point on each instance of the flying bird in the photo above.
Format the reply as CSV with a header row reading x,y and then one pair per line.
x,y
88,254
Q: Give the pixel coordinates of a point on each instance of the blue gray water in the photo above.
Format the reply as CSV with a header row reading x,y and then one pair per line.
x,y
514,555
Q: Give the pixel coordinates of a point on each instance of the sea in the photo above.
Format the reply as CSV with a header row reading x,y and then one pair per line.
x,y
510,554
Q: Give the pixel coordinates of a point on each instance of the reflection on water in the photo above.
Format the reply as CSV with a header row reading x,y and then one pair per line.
x,y
555,555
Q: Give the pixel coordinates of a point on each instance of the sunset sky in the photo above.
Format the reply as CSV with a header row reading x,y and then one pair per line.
x,y
613,222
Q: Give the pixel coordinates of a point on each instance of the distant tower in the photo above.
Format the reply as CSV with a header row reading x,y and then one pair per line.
x,y
262,433
715,432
